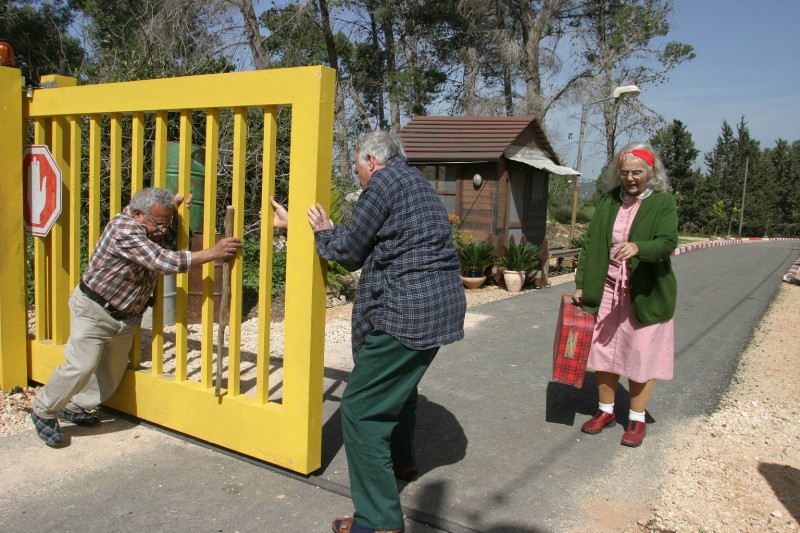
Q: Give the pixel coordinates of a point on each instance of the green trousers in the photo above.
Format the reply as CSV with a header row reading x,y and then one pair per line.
x,y
379,415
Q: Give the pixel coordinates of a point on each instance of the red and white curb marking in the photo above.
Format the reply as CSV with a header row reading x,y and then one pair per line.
x,y
725,242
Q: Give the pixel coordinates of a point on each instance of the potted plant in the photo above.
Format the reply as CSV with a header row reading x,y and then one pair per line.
x,y
475,257
518,261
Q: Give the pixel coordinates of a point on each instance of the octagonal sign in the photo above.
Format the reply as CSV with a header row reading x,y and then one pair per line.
x,y
42,189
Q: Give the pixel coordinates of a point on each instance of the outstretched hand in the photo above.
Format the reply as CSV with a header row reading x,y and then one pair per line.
x,y
178,200
281,218
319,219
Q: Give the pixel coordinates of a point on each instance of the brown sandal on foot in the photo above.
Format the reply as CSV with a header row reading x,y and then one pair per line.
x,y
345,525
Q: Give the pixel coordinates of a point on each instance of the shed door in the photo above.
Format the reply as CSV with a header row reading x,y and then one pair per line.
x,y
527,212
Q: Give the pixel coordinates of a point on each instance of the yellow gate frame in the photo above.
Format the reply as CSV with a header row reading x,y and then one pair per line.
x,y
289,433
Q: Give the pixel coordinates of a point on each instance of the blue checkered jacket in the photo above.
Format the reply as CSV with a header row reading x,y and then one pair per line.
x,y
400,237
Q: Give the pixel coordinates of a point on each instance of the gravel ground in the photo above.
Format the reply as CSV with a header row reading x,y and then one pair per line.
x,y
736,470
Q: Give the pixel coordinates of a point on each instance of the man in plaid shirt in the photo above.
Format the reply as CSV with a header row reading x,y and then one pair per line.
x,y
108,304
409,302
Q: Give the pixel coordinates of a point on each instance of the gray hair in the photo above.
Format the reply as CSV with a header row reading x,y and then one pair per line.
x,y
656,178
145,199
382,145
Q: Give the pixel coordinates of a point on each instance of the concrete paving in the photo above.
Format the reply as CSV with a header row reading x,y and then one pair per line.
x,y
499,445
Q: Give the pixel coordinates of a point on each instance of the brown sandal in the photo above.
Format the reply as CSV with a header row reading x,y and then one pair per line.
x,y
345,525
342,525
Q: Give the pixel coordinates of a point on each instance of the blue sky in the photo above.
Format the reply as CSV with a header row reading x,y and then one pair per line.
x,y
747,65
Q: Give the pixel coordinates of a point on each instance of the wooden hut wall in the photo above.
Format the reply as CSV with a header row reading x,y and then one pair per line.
x,y
478,206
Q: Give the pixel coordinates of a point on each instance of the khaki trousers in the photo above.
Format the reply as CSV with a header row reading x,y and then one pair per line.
x,y
96,358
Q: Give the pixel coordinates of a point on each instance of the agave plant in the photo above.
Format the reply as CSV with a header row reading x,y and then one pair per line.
x,y
520,257
475,257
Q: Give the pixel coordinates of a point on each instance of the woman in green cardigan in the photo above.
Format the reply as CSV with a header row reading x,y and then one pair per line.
x,y
625,276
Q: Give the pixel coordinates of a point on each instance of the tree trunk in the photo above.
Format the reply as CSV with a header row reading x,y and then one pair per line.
x,y
260,57
391,67
470,80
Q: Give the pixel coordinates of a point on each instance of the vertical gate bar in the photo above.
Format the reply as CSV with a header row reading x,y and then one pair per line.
x,y
266,251
95,155
209,238
310,182
137,152
59,239
159,180
75,200
182,280
237,199
115,165
137,180
13,312
41,259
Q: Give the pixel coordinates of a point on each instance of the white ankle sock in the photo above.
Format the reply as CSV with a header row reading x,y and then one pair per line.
x,y
607,408
633,416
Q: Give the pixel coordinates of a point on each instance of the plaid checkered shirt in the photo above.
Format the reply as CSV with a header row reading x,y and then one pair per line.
x,y
400,237
125,264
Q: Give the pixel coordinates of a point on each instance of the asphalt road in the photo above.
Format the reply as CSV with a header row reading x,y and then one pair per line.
x,y
500,447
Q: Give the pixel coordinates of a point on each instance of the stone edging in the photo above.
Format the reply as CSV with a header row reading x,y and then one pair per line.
x,y
724,242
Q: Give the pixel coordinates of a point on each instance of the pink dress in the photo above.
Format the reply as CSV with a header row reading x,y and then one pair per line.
x,y
619,345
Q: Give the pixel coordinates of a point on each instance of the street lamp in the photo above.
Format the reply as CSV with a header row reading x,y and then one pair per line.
x,y
620,93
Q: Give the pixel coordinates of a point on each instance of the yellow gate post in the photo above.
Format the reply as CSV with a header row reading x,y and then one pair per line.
x,y
13,312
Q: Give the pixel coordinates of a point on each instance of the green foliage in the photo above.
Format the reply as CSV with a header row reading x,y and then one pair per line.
x,y
562,214
251,253
576,242
717,214
278,271
336,272
520,257
675,146
39,33
585,213
475,257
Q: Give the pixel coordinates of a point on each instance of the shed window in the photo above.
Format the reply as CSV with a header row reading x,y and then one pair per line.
x,y
445,181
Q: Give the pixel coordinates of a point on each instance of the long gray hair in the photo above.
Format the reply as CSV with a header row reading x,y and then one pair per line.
x,y
656,178
382,145
145,199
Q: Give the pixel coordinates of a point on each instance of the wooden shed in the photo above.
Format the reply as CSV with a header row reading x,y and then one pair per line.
x,y
492,172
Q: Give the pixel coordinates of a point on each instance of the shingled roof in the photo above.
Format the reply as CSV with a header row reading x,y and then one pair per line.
x,y
464,139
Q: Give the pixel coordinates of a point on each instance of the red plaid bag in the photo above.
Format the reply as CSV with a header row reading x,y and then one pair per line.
x,y
571,344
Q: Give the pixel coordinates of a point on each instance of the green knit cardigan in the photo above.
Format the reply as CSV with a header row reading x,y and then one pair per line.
x,y
652,283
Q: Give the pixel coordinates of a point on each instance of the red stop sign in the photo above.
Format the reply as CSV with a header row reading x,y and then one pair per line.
x,y
42,189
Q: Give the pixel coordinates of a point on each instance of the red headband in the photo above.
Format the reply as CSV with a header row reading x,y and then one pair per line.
x,y
644,155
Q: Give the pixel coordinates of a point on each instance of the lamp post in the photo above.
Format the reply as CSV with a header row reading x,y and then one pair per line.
x,y
625,91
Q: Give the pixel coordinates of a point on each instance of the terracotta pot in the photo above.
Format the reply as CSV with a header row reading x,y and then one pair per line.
x,y
473,283
514,280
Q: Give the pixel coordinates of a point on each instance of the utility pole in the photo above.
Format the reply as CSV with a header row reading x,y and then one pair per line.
x,y
744,191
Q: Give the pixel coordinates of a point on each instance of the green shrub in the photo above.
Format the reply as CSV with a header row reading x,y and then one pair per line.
x,y
520,257
251,251
475,257
562,214
584,214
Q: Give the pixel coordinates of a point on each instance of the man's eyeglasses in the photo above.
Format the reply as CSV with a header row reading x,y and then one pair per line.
x,y
160,225
634,173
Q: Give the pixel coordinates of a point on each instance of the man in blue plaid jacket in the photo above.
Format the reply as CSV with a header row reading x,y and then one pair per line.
x,y
409,302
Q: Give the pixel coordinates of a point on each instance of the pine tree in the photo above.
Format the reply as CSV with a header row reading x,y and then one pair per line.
x,y
677,150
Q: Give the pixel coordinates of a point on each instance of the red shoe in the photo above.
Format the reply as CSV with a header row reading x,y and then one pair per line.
x,y
598,422
635,434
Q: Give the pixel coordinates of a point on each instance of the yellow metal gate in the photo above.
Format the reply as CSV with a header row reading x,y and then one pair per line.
x,y
285,431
